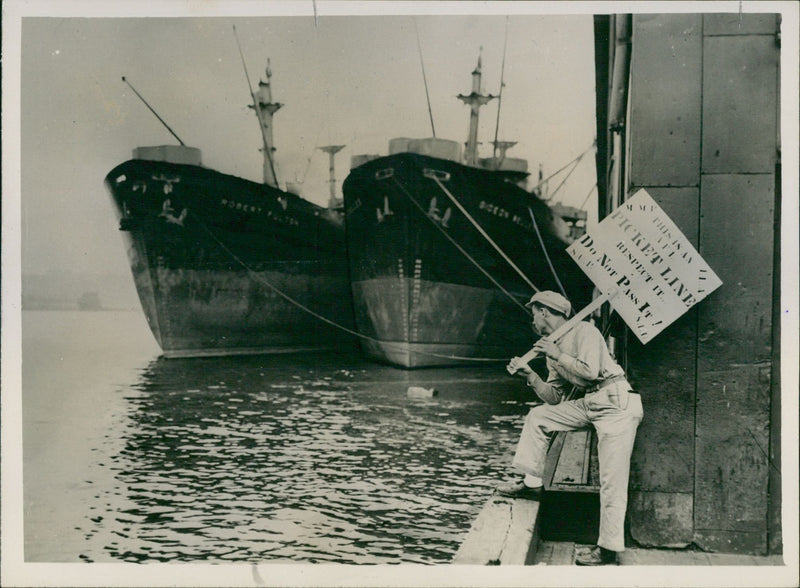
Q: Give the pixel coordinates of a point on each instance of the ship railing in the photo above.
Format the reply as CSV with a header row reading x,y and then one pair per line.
x,y
436,174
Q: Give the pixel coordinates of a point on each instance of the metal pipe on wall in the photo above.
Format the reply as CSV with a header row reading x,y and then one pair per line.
x,y
619,77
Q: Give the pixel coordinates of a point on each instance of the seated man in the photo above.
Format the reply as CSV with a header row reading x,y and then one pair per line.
x,y
580,358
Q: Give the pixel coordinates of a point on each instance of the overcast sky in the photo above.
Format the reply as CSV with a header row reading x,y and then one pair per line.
x,y
350,80
353,80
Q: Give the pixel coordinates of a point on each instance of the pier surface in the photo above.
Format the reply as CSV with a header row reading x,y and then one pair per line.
x,y
510,531
505,533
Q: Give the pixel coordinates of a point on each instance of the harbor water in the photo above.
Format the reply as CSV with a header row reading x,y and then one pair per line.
x,y
306,458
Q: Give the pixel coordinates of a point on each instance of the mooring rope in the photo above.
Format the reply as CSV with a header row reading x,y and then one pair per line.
x,y
328,321
461,249
585,200
546,256
485,235
558,171
564,181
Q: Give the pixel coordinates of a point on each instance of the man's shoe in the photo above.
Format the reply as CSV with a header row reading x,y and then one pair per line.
x,y
519,490
596,557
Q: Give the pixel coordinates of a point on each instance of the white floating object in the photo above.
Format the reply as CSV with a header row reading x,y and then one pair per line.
x,y
420,392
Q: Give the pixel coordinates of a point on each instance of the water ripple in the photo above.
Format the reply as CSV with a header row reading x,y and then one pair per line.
x,y
229,460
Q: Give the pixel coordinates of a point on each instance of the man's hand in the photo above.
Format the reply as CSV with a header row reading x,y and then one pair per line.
x,y
547,347
517,366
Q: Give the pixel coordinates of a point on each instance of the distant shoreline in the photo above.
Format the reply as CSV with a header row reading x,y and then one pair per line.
x,y
74,307
65,290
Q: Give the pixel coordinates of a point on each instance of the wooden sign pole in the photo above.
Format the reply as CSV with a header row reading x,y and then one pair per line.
x,y
565,328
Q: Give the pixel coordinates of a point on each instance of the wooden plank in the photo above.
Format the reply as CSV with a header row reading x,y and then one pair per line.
x,y
698,558
775,507
649,557
484,542
563,554
630,557
521,540
770,560
663,372
570,461
738,215
555,553
661,519
594,464
740,112
665,100
573,461
734,360
733,23
544,552
733,559
589,446
505,532
661,557
552,460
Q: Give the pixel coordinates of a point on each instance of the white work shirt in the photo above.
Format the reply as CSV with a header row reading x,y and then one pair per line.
x,y
584,361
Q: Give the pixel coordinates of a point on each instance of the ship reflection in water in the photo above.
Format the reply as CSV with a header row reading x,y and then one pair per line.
x,y
233,459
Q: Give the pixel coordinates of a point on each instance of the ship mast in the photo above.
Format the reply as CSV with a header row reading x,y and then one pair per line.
x,y
475,100
332,150
543,186
265,108
500,98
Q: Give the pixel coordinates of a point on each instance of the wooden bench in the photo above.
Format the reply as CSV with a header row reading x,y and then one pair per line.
x,y
572,464
571,503
506,531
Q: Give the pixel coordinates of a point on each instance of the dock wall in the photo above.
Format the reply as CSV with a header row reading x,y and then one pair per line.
x,y
702,137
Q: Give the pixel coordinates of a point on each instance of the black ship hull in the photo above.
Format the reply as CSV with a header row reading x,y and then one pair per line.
x,y
227,266
428,288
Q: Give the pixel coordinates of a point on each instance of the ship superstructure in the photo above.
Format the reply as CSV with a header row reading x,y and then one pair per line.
x,y
445,248
224,265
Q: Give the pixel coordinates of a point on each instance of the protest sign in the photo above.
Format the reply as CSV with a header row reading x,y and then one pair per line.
x,y
639,254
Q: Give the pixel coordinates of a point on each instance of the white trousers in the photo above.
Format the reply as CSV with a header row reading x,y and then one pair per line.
x,y
615,413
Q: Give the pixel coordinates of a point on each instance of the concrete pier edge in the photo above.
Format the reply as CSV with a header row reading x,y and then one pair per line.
x,y
506,532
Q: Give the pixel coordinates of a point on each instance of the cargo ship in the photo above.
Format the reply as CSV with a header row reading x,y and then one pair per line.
x,y
445,250
224,265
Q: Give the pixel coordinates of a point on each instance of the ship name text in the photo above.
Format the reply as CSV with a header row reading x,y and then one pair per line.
x,y
500,212
284,219
233,205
